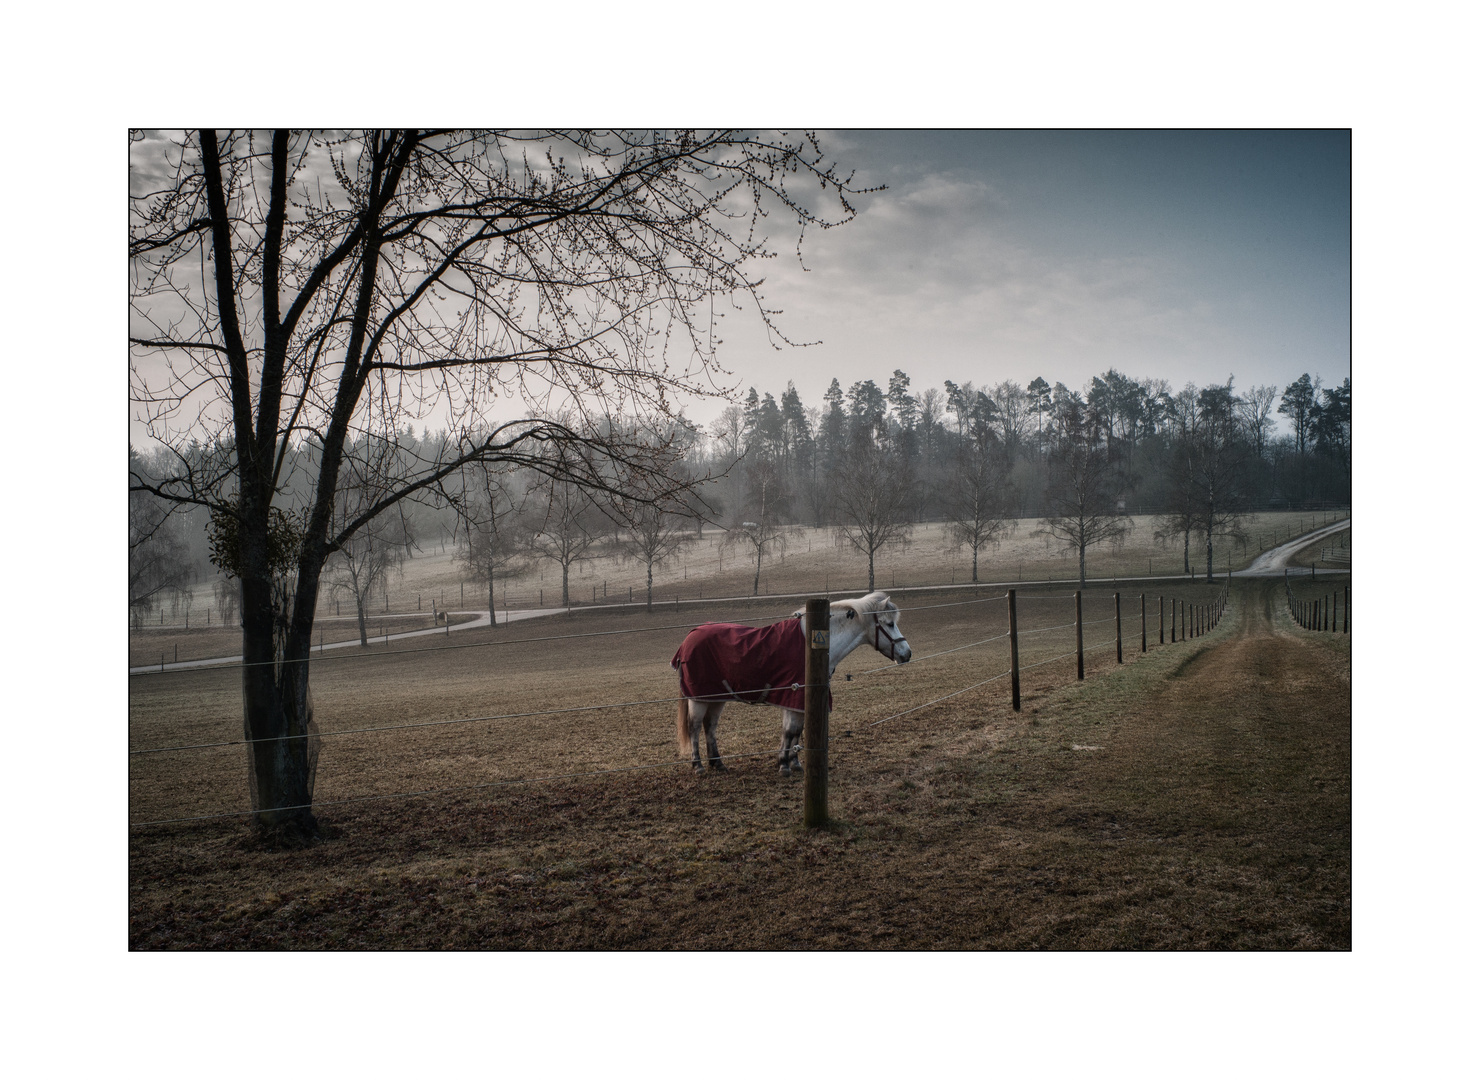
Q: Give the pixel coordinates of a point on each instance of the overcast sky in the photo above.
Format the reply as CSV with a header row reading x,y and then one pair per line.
x,y
1188,256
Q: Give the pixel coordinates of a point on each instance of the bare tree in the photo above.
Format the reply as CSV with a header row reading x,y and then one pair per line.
x,y
159,562
1219,463
488,542
760,523
363,562
1085,488
653,536
976,496
562,527
1182,424
290,287
872,496
1255,411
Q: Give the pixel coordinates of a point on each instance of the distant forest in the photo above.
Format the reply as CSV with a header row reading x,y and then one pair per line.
x,y
869,462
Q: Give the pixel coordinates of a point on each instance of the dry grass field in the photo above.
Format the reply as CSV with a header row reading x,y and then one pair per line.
x,y
812,560
1197,796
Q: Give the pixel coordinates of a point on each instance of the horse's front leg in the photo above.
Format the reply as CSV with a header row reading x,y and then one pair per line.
x,y
791,733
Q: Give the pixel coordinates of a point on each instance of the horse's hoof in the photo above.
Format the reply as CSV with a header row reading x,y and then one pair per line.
x,y
718,765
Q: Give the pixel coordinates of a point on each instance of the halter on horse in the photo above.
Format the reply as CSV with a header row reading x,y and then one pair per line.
x,y
723,662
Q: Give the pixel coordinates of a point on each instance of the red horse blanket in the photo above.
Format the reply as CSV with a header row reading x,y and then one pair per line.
x,y
758,665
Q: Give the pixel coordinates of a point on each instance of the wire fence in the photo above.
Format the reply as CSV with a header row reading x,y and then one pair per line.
x,y
1326,612
1199,615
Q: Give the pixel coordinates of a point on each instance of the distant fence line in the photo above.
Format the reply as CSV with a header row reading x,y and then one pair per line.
x,y
437,605
1329,612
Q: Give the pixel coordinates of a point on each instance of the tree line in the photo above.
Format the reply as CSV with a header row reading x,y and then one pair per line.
x,y
869,464
872,460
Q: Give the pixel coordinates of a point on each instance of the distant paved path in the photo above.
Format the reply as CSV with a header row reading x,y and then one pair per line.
x,y
480,620
1274,561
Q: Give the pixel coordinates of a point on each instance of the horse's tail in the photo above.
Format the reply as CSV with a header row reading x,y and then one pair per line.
x,y
685,741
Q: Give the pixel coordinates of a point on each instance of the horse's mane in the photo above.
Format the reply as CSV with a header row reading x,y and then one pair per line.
x,y
878,600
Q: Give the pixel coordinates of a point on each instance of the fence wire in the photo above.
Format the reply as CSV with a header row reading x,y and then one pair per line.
x,y
595,708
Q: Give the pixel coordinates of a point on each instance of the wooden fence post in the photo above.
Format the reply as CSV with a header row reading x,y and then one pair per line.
x,y
1079,630
814,718
1012,645
1119,659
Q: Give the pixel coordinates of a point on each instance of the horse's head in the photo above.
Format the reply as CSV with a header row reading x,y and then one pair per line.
x,y
882,621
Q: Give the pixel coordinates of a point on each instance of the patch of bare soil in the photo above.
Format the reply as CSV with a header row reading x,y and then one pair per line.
x,y
1196,797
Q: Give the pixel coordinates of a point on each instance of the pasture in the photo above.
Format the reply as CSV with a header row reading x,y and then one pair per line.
x,y
1197,796
813,559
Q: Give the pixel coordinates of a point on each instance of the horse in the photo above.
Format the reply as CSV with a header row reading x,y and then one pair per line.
x,y
769,665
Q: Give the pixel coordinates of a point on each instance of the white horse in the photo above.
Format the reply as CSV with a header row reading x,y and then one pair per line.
x,y
871,619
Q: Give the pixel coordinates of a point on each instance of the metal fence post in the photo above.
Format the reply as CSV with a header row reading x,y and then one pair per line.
x,y
1079,630
1012,643
814,719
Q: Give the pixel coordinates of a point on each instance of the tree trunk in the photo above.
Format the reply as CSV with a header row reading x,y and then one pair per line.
x,y
565,585
755,588
280,757
1081,565
1187,551
360,612
973,565
492,611
870,571
650,588
1210,554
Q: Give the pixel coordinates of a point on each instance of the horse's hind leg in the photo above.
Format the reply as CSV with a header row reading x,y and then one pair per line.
x,y
711,725
696,711
791,733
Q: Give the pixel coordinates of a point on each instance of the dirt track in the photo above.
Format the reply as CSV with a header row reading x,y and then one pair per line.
x,y
1198,797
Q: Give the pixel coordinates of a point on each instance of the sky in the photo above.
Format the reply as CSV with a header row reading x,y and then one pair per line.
x,y
993,255
988,255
